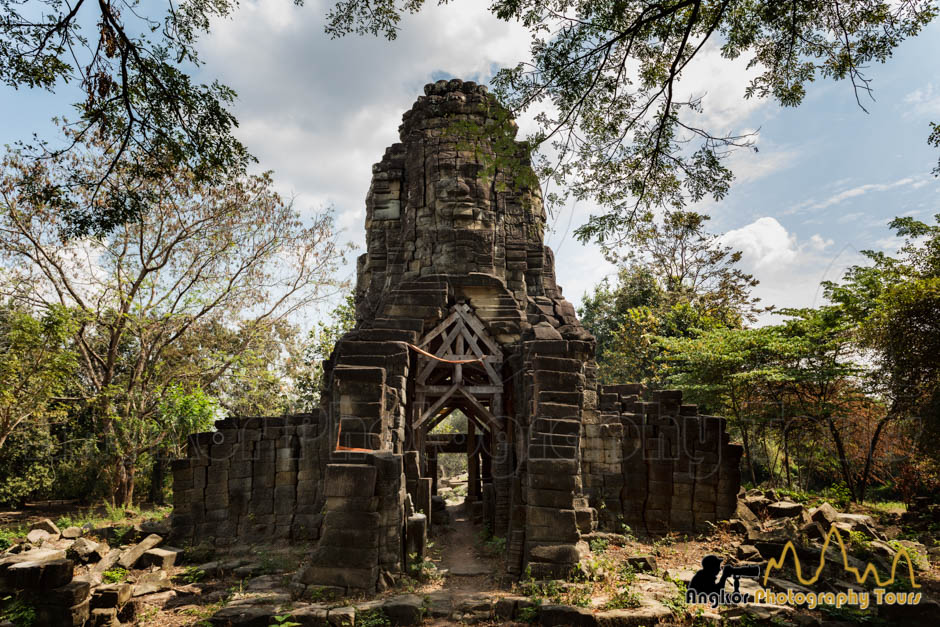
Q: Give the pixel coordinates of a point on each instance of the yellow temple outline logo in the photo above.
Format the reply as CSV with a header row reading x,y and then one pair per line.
x,y
778,563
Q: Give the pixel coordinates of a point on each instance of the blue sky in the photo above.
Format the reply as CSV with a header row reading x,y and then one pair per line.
x,y
825,182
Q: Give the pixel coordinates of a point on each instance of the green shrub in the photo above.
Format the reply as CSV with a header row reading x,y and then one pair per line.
x,y
372,618
17,611
623,600
599,545
114,575
27,471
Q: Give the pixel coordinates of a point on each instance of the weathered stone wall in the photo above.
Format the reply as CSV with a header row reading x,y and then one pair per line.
x,y
656,465
254,479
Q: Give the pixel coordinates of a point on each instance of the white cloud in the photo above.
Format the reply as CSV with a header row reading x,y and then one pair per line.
x,y
320,112
749,166
860,190
789,269
923,101
720,82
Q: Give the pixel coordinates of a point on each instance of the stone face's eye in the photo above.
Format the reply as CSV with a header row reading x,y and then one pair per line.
x,y
470,170
446,168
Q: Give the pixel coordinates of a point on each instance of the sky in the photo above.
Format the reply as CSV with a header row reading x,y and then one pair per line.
x,y
826,180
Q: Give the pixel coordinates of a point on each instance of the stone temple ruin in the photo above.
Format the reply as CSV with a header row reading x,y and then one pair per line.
x,y
457,308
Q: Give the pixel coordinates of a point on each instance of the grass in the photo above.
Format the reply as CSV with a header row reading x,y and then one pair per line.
x,y
114,575
599,545
623,600
491,545
9,534
192,574
677,604
886,507
372,618
106,514
18,612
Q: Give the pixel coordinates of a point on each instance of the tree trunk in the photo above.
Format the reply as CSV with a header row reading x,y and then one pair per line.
x,y
747,453
863,484
124,484
157,476
843,459
786,454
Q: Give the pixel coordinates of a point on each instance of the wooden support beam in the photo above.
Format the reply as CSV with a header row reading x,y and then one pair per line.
x,y
436,406
474,323
483,413
442,352
433,333
473,389
473,466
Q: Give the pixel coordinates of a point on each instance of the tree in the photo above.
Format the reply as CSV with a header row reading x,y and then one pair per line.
x,y
694,268
133,66
616,126
233,255
895,302
321,342
182,412
676,280
728,372
35,364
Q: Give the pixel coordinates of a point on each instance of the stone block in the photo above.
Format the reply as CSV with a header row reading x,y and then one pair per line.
x,y
553,482
72,593
360,579
550,517
130,557
406,609
550,498
164,557
350,480
39,574
113,595
352,503
63,616
348,556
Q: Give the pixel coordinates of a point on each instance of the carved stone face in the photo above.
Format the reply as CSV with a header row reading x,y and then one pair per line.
x,y
458,191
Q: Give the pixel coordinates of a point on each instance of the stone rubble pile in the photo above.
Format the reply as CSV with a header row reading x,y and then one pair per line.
x,y
40,570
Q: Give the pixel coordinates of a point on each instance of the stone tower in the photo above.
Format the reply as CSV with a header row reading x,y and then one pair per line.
x,y
457,309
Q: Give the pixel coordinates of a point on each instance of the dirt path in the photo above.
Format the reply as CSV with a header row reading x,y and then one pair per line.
x,y
467,570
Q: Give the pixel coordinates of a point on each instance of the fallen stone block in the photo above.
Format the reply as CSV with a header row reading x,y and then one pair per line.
x,y
72,593
313,615
825,515
642,563
652,614
46,525
106,563
342,616
130,557
556,553
36,555
39,536
406,609
39,575
748,553
82,550
242,616
785,509
161,557
62,616
111,595
440,604
71,533
566,615
148,583
104,617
